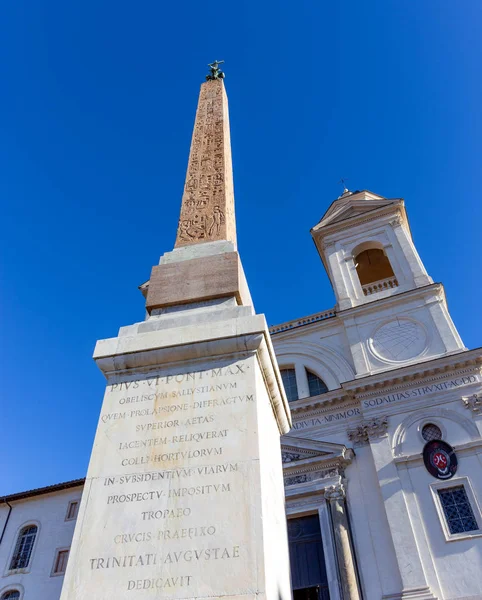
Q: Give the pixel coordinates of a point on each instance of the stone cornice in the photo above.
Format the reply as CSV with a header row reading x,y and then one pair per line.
x,y
352,392
429,370
315,463
390,301
144,352
316,468
325,319
323,402
301,322
394,206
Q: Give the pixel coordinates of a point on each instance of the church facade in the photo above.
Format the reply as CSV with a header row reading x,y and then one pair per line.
x,y
382,466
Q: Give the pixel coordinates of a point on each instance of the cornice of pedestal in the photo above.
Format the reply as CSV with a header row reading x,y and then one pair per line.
x,y
145,352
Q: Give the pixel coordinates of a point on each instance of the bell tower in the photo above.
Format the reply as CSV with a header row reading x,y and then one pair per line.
x,y
393,312
366,245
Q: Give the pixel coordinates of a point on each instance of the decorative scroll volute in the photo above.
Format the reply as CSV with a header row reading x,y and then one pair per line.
x,y
207,211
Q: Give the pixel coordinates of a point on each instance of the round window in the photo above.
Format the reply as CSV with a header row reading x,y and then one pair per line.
x,y
431,432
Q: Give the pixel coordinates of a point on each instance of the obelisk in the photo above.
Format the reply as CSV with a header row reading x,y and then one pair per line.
x,y
184,492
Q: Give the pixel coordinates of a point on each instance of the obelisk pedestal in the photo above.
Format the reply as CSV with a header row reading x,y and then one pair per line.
x,y
184,494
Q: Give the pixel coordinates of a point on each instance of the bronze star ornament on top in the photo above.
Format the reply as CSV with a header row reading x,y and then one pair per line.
x,y
216,72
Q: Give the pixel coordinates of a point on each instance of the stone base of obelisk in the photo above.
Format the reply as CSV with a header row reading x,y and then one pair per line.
x,y
184,494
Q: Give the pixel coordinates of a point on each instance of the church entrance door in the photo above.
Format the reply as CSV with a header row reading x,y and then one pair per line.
x,y
308,571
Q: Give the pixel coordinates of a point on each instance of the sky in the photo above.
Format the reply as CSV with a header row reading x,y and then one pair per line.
x,y
96,115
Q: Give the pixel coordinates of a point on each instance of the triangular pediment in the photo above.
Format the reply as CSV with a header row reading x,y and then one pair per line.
x,y
308,463
295,449
352,204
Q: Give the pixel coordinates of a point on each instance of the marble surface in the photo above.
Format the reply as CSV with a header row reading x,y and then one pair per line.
x,y
184,493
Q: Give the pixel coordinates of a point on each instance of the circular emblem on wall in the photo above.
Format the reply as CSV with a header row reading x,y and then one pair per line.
x,y
440,459
399,340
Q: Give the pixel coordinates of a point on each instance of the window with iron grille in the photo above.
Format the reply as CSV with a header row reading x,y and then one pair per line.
x,y
316,385
72,510
457,510
431,432
24,547
11,595
289,381
60,563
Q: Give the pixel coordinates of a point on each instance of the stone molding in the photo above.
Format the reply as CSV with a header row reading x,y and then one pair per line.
x,y
420,593
368,430
355,220
335,492
317,405
473,403
317,475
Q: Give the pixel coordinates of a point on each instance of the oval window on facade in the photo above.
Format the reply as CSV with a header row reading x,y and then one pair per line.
x,y
431,432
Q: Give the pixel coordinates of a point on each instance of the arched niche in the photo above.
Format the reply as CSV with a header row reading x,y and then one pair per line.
x,y
425,415
372,263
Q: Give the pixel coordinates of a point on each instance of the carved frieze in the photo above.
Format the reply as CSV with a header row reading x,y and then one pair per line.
x,y
311,476
303,478
287,457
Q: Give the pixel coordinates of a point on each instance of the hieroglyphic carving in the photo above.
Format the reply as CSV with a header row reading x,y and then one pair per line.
x,y
207,211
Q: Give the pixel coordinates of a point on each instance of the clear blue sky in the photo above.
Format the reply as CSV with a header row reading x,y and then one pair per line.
x,y
96,111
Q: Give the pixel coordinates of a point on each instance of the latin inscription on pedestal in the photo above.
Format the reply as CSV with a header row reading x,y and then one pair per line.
x,y
173,486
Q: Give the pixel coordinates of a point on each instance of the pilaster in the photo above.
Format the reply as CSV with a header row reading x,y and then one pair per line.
x,y
419,274
412,574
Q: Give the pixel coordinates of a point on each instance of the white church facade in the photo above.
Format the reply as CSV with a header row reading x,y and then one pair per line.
x,y
371,383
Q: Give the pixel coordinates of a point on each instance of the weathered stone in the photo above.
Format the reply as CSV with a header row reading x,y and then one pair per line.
x,y
198,279
207,211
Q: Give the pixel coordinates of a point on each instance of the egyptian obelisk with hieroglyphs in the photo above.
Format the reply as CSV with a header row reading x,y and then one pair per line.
x,y
184,493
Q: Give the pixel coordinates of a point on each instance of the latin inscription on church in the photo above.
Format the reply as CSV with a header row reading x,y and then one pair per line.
x,y
169,495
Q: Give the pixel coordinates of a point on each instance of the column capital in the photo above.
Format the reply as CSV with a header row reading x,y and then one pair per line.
x,y
368,430
335,492
474,403
397,220
377,427
358,435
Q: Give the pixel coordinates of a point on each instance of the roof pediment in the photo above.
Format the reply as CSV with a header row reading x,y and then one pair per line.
x,y
352,204
308,463
295,449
